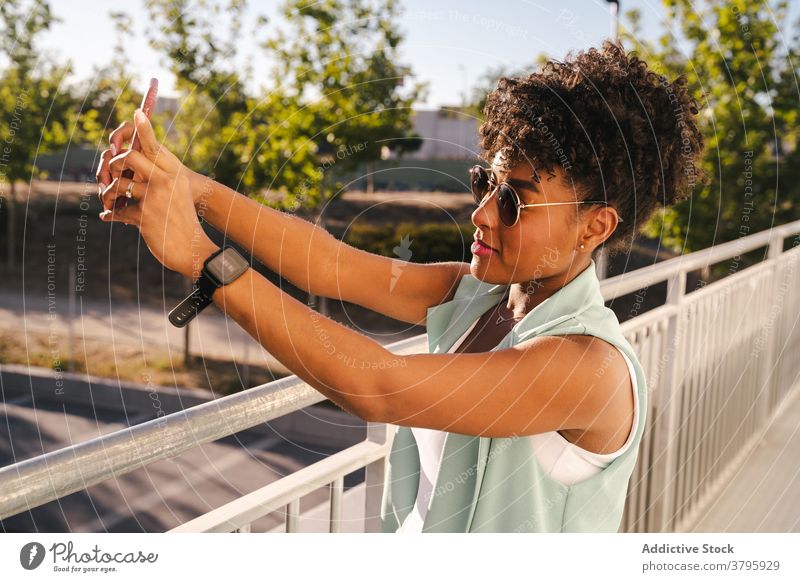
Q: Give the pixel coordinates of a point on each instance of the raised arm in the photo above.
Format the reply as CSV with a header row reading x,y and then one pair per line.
x,y
314,260
303,253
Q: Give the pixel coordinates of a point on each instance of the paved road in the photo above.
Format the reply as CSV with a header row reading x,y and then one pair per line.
x,y
161,496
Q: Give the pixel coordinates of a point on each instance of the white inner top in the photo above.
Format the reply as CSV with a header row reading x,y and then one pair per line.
x,y
563,461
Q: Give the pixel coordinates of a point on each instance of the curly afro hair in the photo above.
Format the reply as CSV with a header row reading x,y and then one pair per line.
x,y
618,131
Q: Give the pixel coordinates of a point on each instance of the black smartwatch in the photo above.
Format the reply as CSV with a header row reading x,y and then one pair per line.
x,y
220,268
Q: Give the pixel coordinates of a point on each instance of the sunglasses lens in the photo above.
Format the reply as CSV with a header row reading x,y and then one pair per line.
x,y
479,183
506,205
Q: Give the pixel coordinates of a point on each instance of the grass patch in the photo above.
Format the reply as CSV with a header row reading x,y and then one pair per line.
x,y
128,363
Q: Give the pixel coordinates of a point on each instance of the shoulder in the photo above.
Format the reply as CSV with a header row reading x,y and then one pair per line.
x,y
594,372
593,357
606,357
611,390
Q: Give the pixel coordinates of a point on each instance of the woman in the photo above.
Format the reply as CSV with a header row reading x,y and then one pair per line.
x,y
527,413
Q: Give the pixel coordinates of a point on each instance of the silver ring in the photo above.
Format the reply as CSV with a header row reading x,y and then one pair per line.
x,y
129,190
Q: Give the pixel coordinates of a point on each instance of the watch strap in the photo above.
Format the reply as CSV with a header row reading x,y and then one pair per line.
x,y
207,283
188,309
201,296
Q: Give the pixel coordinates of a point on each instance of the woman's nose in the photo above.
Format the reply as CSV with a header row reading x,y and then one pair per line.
x,y
485,213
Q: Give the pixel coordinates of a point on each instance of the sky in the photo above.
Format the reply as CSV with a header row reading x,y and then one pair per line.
x,y
450,44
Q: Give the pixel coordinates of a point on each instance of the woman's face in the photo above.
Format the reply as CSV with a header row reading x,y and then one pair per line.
x,y
543,241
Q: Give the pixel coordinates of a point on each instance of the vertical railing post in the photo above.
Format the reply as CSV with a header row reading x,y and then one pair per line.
x,y
664,466
376,474
766,377
293,516
71,319
336,490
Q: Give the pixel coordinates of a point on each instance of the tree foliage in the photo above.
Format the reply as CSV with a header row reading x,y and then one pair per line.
x,y
337,69
36,105
212,89
336,95
740,68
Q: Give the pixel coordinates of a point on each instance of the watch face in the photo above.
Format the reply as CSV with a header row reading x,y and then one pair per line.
x,y
227,265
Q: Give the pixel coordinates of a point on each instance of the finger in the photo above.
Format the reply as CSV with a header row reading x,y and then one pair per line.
x,y
115,171
131,214
150,146
143,168
147,137
103,175
120,192
122,135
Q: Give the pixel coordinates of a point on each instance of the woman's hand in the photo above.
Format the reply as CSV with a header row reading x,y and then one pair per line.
x,y
161,203
166,159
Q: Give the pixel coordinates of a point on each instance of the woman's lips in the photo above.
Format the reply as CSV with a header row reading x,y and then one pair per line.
x,y
480,249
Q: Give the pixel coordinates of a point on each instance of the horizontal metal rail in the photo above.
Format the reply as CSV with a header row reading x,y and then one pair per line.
x,y
626,283
243,511
51,476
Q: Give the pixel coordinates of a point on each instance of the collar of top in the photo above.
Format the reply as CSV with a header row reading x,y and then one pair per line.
x,y
474,297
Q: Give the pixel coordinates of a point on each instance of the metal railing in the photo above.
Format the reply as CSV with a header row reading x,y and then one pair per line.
x,y
716,366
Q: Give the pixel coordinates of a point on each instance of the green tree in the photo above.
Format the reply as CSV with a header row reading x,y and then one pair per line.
x,y
746,83
37,114
338,95
338,72
213,95
272,139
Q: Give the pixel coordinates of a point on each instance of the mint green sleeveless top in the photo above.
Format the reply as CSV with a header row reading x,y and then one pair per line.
x,y
497,484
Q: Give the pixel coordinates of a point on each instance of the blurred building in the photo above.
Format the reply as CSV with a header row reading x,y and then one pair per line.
x,y
447,133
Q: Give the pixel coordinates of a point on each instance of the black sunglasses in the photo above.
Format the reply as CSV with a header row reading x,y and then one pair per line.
x,y
508,201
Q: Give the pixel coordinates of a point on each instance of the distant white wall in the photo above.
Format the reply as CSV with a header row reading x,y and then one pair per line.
x,y
446,135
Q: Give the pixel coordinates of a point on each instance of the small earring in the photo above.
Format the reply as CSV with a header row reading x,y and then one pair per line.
x,y
581,246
